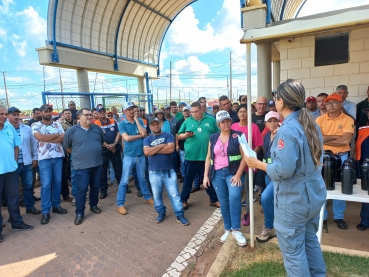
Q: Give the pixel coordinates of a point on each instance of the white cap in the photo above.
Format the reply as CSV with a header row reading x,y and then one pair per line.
x,y
222,115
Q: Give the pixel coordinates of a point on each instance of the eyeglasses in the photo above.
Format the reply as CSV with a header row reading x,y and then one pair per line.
x,y
109,115
87,114
331,103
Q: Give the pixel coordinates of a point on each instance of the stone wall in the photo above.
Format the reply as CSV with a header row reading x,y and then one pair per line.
x,y
297,62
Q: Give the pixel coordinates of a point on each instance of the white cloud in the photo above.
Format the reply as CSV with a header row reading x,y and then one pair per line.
x,y
20,47
2,33
186,38
4,8
35,25
1,45
311,6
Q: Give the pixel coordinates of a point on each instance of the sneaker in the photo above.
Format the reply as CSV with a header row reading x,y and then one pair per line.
x,y
238,236
224,237
122,210
246,219
150,201
181,219
73,202
161,217
22,226
266,234
243,203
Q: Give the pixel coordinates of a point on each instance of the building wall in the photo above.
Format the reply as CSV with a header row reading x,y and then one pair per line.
x,y
297,62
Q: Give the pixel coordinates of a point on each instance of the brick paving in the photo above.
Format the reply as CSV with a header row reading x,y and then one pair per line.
x,y
107,244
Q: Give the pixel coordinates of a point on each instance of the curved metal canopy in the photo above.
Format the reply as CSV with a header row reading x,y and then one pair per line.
x,y
131,30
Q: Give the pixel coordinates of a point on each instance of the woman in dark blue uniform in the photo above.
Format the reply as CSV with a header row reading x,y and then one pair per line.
x,y
299,189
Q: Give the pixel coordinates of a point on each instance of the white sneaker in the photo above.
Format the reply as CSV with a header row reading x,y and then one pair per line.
x,y
224,237
241,241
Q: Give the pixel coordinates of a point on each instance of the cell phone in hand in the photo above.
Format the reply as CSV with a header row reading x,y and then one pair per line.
x,y
190,132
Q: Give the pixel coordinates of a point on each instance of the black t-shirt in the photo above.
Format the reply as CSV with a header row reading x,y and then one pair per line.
x,y
259,120
178,126
31,121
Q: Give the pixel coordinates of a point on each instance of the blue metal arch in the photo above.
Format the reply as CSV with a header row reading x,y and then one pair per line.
x,y
116,36
282,10
165,32
302,5
54,55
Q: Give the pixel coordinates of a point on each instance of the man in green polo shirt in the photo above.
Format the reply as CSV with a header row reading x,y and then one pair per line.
x,y
196,131
174,111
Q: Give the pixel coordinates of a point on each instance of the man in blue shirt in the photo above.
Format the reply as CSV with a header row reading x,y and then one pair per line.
x,y
133,132
159,147
27,158
9,151
350,107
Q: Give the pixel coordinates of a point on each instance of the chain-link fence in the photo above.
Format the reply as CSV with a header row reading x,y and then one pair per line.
x,y
60,100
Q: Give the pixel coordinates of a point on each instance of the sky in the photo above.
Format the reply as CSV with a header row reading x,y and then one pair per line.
x,y
198,44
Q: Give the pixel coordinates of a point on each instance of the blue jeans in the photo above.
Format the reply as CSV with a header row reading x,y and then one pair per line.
x,y
191,169
339,206
25,172
174,160
267,202
229,197
182,158
147,178
111,171
169,179
84,177
72,179
364,214
51,180
128,163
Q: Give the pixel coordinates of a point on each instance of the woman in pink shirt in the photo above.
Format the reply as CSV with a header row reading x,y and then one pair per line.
x,y
257,143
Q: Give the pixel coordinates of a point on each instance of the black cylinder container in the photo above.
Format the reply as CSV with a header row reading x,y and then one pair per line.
x,y
328,173
337,168
365,174
347,178
355,170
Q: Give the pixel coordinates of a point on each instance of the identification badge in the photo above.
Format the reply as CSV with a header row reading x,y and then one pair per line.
x,y
199,130
111,128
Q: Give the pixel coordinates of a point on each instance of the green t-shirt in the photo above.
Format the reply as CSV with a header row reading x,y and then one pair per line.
x,y
178,116
196,147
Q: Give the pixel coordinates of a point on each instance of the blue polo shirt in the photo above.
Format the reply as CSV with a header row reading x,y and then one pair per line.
x,y
9,139
131,148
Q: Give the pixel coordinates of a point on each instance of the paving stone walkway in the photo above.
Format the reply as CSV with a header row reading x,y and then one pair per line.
x,y
107,244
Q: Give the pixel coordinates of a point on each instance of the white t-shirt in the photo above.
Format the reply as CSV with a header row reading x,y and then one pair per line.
x,y
47,150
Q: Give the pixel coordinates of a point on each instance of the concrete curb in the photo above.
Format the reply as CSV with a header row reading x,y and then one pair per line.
x,y
222,258
229,246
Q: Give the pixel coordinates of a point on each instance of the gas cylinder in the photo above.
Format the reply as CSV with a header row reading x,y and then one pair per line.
x,y
347,178
365,174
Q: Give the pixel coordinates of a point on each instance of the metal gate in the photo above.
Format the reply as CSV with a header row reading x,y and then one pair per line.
x,y
60,100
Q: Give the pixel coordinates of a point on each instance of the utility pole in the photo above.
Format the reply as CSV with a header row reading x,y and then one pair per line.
x,y
170,82
61,87
6,91
43,70
157,96
228,87
102,83
230,77
179,95
95,83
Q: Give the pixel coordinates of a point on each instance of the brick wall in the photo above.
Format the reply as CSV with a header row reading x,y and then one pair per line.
x,y
297,62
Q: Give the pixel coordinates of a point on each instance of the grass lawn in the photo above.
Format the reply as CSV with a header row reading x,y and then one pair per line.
x,y
267,261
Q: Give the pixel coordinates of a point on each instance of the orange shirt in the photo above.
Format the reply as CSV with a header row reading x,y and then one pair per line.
x,y
336,127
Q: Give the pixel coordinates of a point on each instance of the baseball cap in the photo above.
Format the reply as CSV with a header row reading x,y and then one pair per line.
x,y
46,107
185,108
311,98
127,105
271,103
270,115
222,115
158,111
166,107
182,104
152,119
13,110
142,108
100,109
333,96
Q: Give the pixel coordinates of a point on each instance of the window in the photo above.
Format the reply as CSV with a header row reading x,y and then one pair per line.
x,y
332,49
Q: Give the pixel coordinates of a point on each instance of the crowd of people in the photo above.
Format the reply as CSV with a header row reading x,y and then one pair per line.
x,y
191,144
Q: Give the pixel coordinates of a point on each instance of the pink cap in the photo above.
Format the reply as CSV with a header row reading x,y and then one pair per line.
x,y
269,115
